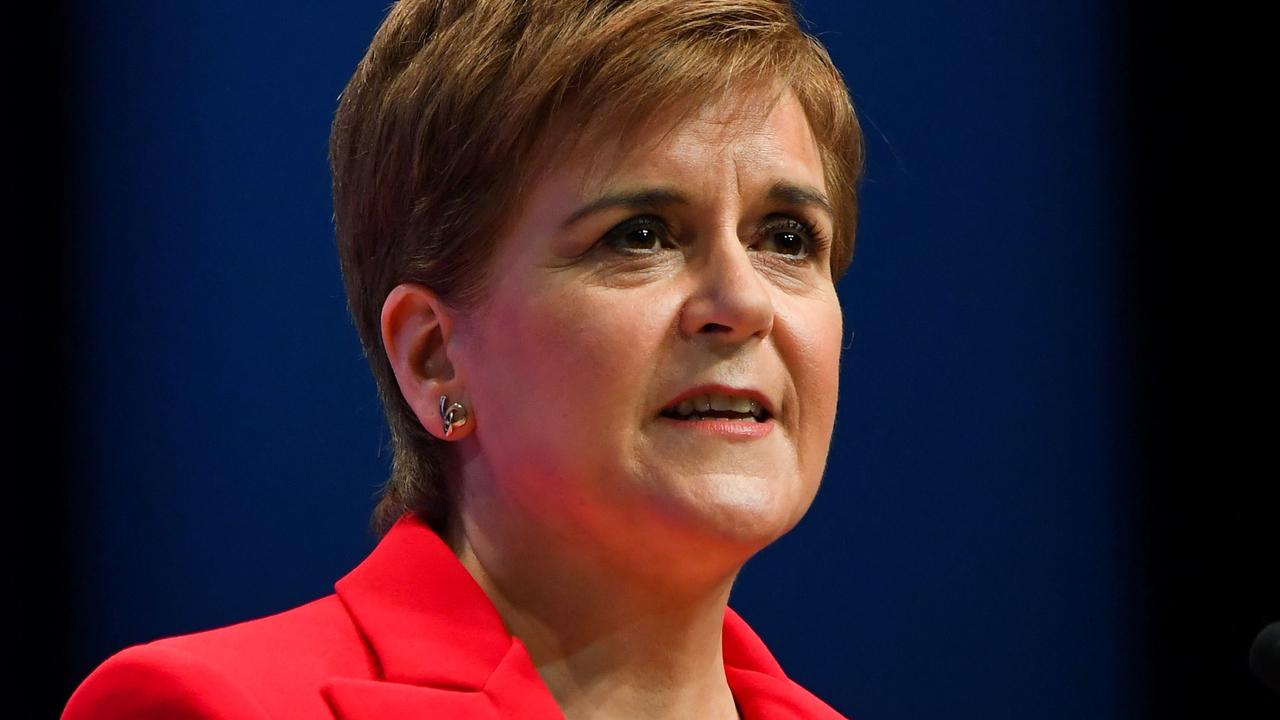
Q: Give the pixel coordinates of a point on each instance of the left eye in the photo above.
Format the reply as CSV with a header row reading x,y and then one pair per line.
x,y
789,237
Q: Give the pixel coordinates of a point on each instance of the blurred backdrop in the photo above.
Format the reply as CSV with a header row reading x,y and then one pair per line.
x,y
1048,494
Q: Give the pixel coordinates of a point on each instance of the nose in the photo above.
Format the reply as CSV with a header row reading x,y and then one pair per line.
x,y
731,303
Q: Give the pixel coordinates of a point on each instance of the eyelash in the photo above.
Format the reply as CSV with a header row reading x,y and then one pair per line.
x,y
815,241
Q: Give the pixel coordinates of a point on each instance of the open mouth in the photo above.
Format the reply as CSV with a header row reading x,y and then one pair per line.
x,y
717,408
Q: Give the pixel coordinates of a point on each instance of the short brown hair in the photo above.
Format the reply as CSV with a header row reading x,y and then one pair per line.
x,y
451,109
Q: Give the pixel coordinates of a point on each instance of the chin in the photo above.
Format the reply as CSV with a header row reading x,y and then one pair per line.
x,y
744,513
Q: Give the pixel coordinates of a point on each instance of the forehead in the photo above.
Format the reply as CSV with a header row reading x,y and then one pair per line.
x,y
757,136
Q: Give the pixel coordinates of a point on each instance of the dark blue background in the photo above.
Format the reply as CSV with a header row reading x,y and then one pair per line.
x,y
977,548
972,508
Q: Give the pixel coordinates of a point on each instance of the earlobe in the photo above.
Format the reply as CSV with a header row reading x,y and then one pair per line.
x,y
416,326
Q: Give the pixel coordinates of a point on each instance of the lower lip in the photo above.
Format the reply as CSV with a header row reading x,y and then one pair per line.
x,y
722,427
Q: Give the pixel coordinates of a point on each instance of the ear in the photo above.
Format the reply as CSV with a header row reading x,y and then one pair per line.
x,y
416,326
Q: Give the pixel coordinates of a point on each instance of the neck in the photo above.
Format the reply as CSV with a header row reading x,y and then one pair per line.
x,y
608,642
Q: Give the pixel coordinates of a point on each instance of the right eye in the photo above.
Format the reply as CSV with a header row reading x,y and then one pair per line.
x,y
644,235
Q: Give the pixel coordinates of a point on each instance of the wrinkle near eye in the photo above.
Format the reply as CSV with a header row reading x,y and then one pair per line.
x,y
801,278
612,276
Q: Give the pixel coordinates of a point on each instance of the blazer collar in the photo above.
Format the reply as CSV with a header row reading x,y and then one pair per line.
x,y
439,645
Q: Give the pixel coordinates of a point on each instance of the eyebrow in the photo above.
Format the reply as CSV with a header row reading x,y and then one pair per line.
x,y
781,191
792,194
634,199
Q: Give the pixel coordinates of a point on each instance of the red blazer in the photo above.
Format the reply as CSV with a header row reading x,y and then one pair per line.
x,y
407,634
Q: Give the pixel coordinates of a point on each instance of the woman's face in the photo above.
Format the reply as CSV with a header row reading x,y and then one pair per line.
x,y
640,273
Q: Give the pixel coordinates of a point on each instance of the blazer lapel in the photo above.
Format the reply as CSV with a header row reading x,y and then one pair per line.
x,y
763,691
513,690
438,644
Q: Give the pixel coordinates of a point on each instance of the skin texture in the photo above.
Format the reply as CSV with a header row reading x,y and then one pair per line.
x,y
607,538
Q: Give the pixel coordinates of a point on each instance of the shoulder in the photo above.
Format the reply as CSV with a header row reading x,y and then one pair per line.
x,y
159,681
268,667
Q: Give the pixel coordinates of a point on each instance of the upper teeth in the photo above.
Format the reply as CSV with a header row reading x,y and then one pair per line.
x,y
716,401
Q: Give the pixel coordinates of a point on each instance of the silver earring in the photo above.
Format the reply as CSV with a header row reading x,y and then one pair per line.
x,y
453,414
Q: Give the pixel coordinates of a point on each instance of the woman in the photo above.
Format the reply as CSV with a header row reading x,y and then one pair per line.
x,y
590,248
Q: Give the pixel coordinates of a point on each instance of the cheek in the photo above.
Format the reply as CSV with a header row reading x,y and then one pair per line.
x,y
573,359
817,347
